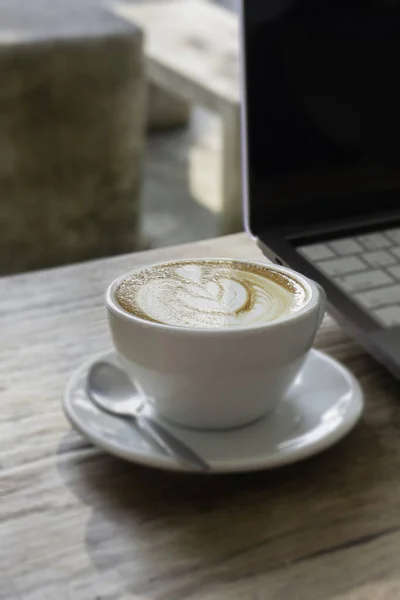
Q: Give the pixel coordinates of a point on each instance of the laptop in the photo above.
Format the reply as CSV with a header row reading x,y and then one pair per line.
x,y
321,153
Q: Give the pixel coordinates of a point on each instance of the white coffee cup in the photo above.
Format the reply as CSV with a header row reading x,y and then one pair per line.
x,y
215,378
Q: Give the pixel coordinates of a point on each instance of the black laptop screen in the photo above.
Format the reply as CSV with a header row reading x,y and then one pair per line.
x,y
322,87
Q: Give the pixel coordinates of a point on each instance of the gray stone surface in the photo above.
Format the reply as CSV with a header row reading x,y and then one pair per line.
x,y
27,21
165,110
72,121
169,207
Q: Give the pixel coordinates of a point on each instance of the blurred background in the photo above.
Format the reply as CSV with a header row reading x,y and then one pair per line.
x,y
189,210
118,127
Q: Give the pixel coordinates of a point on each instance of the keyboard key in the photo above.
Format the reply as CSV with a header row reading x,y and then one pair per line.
x,y
379,297
394,235
396,251
346,246
341,266
316,252
380,258
364,280
374,241
388,316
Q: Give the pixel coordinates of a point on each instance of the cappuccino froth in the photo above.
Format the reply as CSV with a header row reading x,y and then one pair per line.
x,y
210,294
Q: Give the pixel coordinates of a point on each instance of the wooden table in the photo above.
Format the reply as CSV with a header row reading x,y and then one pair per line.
x,y
76,524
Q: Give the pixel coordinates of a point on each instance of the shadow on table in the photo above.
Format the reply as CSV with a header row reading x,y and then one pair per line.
x,y
183,534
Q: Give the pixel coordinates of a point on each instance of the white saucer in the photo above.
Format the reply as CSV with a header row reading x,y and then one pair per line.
x,y
322,406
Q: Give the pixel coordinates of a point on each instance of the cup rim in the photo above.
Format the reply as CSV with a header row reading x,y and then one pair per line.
x,y
114,307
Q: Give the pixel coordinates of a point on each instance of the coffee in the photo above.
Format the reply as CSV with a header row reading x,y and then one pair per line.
x,y
210,294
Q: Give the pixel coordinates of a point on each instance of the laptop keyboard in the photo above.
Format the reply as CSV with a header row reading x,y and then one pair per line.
x,y
364,267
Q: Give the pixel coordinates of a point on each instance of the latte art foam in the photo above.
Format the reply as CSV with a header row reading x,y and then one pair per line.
x,y
210,294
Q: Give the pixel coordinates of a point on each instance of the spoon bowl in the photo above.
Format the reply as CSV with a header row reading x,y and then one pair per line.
x,y
111,390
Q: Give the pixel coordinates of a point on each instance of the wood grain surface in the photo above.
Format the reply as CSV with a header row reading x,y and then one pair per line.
x,y
76,524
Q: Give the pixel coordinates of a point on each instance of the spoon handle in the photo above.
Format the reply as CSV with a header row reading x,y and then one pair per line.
x,y
171,445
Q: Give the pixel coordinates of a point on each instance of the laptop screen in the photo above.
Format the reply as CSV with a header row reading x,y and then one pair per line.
x,y
322,96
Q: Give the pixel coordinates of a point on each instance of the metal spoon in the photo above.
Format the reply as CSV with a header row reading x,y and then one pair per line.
x,y
110,389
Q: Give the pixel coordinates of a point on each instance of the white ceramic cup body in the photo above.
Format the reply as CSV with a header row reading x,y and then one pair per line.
x,y
215,378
